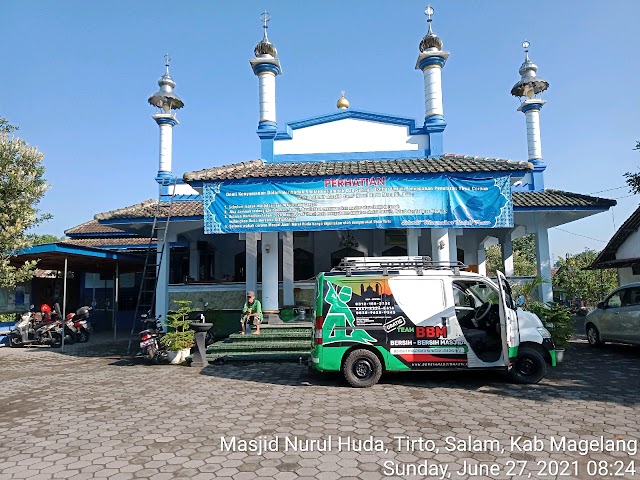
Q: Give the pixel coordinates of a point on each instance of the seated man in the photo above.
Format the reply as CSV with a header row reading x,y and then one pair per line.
x,y
252,310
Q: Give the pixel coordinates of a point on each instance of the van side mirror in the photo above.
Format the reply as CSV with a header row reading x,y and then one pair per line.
x,y
601,305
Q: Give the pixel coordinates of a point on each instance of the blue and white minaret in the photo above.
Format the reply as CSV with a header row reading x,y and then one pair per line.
x,y
431,61
167,102
530,87
266,67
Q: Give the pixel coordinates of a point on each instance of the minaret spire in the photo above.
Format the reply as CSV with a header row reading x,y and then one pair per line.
x,y
266,66
530,86
431,61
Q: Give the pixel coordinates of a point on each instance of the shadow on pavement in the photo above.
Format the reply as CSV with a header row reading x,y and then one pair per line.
x,y
607,374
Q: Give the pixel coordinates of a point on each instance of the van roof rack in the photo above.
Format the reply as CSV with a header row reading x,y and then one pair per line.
x,y
384,264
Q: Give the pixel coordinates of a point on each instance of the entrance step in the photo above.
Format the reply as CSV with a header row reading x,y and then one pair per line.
x,y
279,342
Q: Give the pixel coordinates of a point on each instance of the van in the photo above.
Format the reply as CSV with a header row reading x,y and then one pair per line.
x,y
383,314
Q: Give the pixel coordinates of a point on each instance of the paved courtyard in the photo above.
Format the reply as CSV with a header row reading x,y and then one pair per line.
x,y
91,412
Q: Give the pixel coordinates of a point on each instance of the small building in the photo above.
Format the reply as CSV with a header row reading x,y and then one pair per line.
x,y
623,251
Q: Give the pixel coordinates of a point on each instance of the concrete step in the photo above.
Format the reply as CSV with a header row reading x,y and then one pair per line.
x,y
255,347
271,356
270,336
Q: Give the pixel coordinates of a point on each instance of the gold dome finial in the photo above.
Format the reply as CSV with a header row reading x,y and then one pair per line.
x,y
343,103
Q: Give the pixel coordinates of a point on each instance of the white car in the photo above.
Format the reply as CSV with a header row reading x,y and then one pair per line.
x,y
617,318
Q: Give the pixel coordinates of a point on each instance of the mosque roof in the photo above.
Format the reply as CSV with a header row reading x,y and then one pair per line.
x,y
94,229
111,242
558,199
448,163
147,209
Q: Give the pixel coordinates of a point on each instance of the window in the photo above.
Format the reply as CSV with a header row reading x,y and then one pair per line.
x,y
395,237
302,264
632,297
635,269
615,300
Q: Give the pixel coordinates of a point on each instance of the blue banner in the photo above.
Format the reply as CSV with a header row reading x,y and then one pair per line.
x,y
357,202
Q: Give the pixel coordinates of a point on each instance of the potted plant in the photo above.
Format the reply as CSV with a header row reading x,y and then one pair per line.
x,y
558,320
179,338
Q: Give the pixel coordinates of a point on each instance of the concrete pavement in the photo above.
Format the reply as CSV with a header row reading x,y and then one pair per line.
x,y
91,412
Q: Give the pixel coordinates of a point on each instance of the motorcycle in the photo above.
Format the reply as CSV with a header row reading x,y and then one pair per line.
x,y
78,324
26,333
150,347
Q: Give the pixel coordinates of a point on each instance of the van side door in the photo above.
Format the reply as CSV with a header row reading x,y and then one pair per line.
x,y
509,329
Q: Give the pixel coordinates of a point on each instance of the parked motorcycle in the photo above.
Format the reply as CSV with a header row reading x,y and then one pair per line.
x,y
150,347
25,333
79,325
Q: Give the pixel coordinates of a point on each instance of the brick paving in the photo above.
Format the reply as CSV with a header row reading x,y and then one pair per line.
x,y
92,412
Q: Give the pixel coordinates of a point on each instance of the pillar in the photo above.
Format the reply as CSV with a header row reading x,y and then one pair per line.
x,y
543,260
270,278
287,269
251,261
162,289
506,248
413,234
440,248
482,260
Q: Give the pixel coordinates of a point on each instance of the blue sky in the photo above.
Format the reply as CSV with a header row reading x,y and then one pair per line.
x,y
75,77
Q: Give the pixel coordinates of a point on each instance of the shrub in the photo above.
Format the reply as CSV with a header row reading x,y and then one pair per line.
x,y
179,335
558,320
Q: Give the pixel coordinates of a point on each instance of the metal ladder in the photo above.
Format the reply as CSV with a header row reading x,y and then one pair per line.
x,y
153,258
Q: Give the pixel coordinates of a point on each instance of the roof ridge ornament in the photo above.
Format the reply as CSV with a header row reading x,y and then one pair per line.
x,y
265,48
431,41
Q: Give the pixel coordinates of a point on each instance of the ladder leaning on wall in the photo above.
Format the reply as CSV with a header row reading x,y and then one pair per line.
x,y
154,256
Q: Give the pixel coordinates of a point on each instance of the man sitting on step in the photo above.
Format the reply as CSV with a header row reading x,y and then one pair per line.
x,y
252,310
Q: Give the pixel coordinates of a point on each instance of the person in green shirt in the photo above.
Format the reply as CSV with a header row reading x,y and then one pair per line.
x,y
252,310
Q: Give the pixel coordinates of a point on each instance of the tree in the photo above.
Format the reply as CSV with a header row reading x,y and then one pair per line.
x,y
633,179
22,186
589,286
524,257
40,239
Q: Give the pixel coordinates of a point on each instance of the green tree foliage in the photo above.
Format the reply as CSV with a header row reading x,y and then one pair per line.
x,y
524,257
40,239
633,179
179,335
22,186
587,285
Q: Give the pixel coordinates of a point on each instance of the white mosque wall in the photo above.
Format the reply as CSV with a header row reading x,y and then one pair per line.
x,y
350,135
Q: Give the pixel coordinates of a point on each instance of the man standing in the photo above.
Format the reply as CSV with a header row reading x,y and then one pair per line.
x,y
251,310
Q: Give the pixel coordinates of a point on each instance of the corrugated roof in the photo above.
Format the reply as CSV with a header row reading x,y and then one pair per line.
x,y
448,163
607,257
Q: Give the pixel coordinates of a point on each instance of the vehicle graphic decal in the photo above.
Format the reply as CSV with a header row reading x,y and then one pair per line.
x,y
339,323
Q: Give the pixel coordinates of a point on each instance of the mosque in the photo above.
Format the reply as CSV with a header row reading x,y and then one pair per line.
x,y
343,184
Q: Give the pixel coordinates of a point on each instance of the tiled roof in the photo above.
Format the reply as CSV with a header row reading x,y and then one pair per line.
x,y
92,227
607,257
558,198
109,242
147,209
448,163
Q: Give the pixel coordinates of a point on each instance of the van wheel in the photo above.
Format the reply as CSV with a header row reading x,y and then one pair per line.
x,y
529,367
362,368
593,336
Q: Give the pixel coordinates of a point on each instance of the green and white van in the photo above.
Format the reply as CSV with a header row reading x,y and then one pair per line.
x,y
408,313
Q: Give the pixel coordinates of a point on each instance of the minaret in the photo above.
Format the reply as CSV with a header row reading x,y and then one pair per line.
x,y
266,67
531,86
167,102
431,61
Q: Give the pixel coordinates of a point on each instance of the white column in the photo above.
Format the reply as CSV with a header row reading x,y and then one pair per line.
x,y
270,273
432,91
166,142
506,248
412,241
453,245
543,259
440,244
287,268
162,289
251,261
534,144
482,260
267,94
194,260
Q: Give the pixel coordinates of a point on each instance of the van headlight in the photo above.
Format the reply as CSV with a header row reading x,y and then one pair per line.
x,y
544,332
